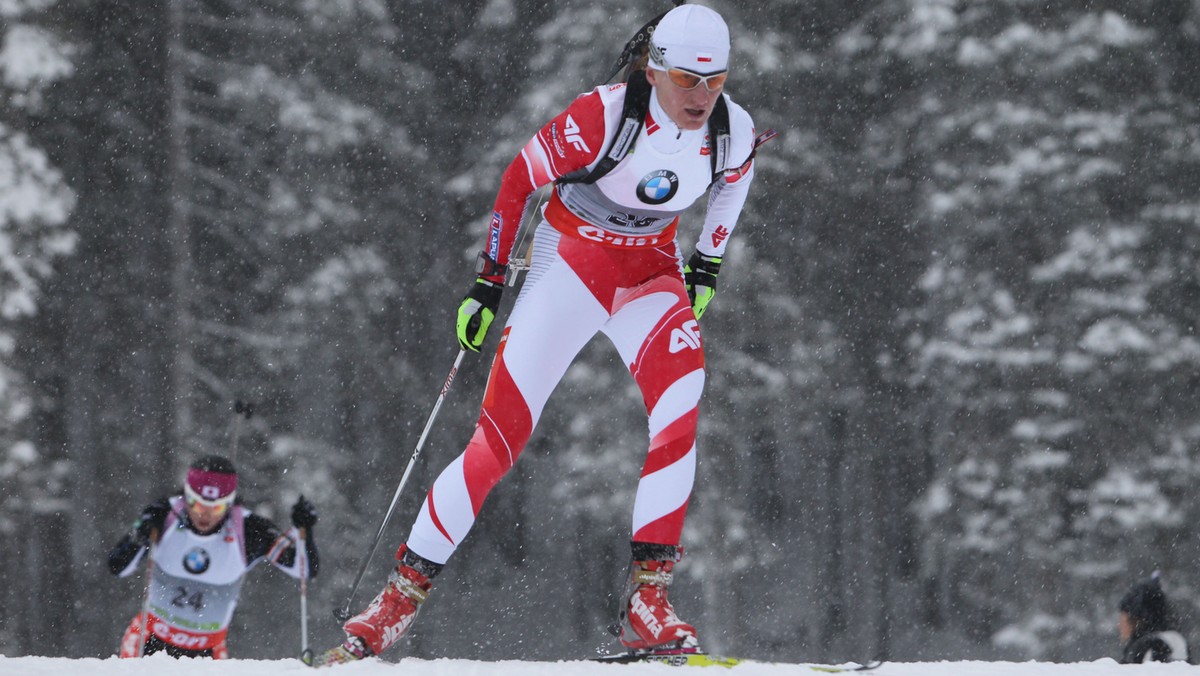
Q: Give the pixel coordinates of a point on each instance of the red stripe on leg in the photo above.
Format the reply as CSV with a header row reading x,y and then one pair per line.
x,y
671,444
483,466
665,530
504,426
675,349
436,521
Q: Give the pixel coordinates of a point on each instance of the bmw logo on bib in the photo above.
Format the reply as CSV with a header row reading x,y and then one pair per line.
x,y
196,561
658,186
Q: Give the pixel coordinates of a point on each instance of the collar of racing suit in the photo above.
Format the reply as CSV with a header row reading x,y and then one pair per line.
x,y
672,139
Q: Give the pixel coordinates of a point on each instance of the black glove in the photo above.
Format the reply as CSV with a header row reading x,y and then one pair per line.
x,y
476,312
149,521
304,514
700,277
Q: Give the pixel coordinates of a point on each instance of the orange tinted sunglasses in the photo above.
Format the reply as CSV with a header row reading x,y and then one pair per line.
x,y
215,507
686,79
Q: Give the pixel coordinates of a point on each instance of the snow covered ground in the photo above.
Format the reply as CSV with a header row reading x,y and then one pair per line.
x,y
161,665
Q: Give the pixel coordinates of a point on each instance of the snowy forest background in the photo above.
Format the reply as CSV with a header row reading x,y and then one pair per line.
x,y
951,407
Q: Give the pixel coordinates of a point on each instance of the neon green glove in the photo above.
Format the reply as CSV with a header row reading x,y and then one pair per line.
x,y
700,278
476,312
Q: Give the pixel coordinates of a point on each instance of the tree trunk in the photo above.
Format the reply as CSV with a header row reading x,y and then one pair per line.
x,y
182,278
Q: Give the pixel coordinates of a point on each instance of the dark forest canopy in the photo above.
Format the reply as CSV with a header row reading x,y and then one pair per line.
x,y
950,407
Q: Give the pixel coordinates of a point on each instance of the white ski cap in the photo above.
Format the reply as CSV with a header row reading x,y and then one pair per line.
x,y
691,37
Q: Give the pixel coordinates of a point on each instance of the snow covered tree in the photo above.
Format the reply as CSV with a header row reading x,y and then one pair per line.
x,y
950,364
1053,327
35,203
244,174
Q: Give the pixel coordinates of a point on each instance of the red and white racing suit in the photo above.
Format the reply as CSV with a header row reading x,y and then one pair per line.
x,y
605,259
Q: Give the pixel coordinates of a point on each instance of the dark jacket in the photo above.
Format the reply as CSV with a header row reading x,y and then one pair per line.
x,y
261,535
1156,646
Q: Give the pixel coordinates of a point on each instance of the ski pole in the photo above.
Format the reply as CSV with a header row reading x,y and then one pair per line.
x,y
302,557
143,630
240,410
342,614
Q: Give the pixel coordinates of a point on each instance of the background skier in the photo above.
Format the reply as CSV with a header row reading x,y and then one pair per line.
x,y
605,259
203,542
1147,625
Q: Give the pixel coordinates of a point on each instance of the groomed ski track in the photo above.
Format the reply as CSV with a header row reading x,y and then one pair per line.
x,y
161,665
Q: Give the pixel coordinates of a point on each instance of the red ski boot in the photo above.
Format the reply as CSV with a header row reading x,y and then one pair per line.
x,y
392,612
388,617
648,620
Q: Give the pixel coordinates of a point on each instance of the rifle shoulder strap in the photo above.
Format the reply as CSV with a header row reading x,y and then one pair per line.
x,y
718,137
633,116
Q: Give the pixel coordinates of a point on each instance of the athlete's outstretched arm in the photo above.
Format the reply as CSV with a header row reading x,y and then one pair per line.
x,y
265,540
124,558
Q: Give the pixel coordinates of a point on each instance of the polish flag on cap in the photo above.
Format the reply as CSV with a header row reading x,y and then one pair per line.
x,y
691,37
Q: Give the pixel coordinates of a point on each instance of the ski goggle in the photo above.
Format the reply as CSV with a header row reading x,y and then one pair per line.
x,y
216,507
686,79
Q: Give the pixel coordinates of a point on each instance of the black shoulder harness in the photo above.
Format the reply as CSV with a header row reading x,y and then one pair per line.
x,y
633,117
